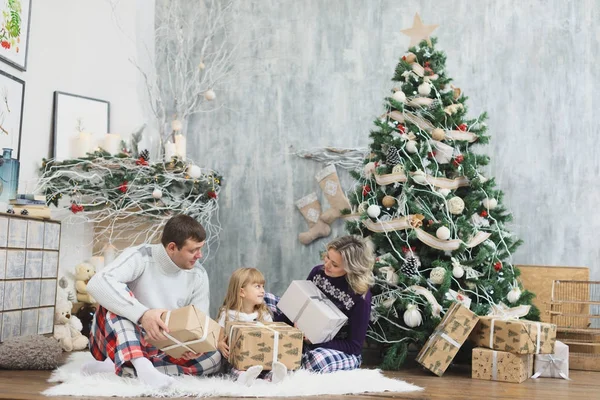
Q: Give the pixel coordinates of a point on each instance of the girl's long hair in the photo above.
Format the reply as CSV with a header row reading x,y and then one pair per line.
x,y
233,301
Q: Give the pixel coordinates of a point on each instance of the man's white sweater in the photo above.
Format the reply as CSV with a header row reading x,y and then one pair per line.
x,y
155,280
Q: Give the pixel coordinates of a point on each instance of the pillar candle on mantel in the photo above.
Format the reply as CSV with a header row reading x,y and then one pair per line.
x,y
83,144
180,146
169,151
112,143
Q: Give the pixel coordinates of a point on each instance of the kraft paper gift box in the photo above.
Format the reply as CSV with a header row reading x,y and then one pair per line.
x,y
502,366
552,365
446,340
517,336
189,330
312,312
256,343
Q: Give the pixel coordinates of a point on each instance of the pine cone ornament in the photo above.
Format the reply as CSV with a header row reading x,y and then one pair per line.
x,y
145,154
392,157
411,266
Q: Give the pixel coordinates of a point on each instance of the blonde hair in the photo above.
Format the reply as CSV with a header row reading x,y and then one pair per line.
x,y
358,261
233,301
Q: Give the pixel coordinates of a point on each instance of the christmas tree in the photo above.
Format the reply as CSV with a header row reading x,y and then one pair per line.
x,y
436,222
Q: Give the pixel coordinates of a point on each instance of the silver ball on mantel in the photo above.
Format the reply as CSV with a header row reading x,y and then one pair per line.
x,y
157,193
210,95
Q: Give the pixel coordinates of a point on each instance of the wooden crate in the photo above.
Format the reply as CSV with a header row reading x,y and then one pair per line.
x,y
538,279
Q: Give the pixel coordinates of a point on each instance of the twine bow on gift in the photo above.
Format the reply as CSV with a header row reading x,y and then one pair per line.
x,y
179,343
552,362
325,300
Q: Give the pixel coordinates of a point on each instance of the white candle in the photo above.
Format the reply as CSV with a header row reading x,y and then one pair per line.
x,y
112,143
97,262
83,144
180,146
176,125
169,151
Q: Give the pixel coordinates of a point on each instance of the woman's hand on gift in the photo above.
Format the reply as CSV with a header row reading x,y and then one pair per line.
x,y
223,348
153,325
190,355
304,337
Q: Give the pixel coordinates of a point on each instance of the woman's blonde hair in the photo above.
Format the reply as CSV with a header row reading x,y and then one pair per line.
x,y
233,301
358,261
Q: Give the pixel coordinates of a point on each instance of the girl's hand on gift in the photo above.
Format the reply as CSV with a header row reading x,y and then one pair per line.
x,y
223,348
153,325
190,355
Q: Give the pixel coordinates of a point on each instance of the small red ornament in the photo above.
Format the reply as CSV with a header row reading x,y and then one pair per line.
x,y
462,127
366,190
376,164
498,266
401,128
427,64
458,159
212,194
430,222
5,44
428,71
431,154
141,161
75,208
123,187
459,297
483,213
403,58
406,249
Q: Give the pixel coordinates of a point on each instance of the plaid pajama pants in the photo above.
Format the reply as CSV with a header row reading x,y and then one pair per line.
x,y
320,359
121,340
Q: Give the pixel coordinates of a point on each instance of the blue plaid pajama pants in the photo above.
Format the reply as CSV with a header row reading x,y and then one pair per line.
x,y
319,359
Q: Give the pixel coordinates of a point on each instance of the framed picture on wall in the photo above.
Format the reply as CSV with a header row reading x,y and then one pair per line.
x,y
80,125
14,32
12,96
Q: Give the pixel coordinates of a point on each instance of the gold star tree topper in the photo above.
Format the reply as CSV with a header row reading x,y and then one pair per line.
x,y
419,31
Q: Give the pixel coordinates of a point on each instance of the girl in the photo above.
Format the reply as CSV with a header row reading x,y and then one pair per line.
x,y
245,302
345,277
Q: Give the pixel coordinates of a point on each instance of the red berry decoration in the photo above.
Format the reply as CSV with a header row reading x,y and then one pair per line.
x,y
458,159
5,44
431,154
483,213
498,266
462,127
141,161
366,190
403,58
212,194
401,128
75,208
427,64
123,187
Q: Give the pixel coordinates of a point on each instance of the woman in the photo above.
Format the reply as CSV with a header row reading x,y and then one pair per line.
x,y
345,277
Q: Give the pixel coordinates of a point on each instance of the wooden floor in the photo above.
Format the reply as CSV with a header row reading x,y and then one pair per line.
x,y
456,384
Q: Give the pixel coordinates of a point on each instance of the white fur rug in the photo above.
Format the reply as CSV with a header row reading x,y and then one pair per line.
x,y
299,383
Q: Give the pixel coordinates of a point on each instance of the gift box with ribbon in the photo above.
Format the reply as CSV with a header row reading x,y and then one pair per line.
x,y
256,343
312,312
502,330
446,340
189,330
502,366
552,365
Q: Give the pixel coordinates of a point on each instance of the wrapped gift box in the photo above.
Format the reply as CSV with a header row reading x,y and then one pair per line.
x,y
449,336
255,343
502,366
552,365
515,335
189,330
312,312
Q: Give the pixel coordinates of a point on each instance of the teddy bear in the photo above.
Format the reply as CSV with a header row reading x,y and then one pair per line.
x,y
67,328
83,273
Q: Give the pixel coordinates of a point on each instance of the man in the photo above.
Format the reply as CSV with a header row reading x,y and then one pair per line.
x,y
134,290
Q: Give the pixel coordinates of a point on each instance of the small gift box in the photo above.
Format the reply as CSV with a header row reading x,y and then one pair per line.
x,y
314,314
189,330
502,366
553,365
256,343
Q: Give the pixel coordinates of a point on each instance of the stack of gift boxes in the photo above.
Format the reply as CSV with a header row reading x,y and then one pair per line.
x,y
507,349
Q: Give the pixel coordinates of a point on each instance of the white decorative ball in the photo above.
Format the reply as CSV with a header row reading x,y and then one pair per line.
x,y
490,203
157,193
411,146
437,275
456,205
194,171
412,316
458,271
399,96
444,192
201,65
398,168
420,177
443,233
514,295
424,89
369,169
373,211
210,95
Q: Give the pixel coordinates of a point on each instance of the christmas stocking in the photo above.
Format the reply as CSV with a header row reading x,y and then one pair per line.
x,y
311,210
330,185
